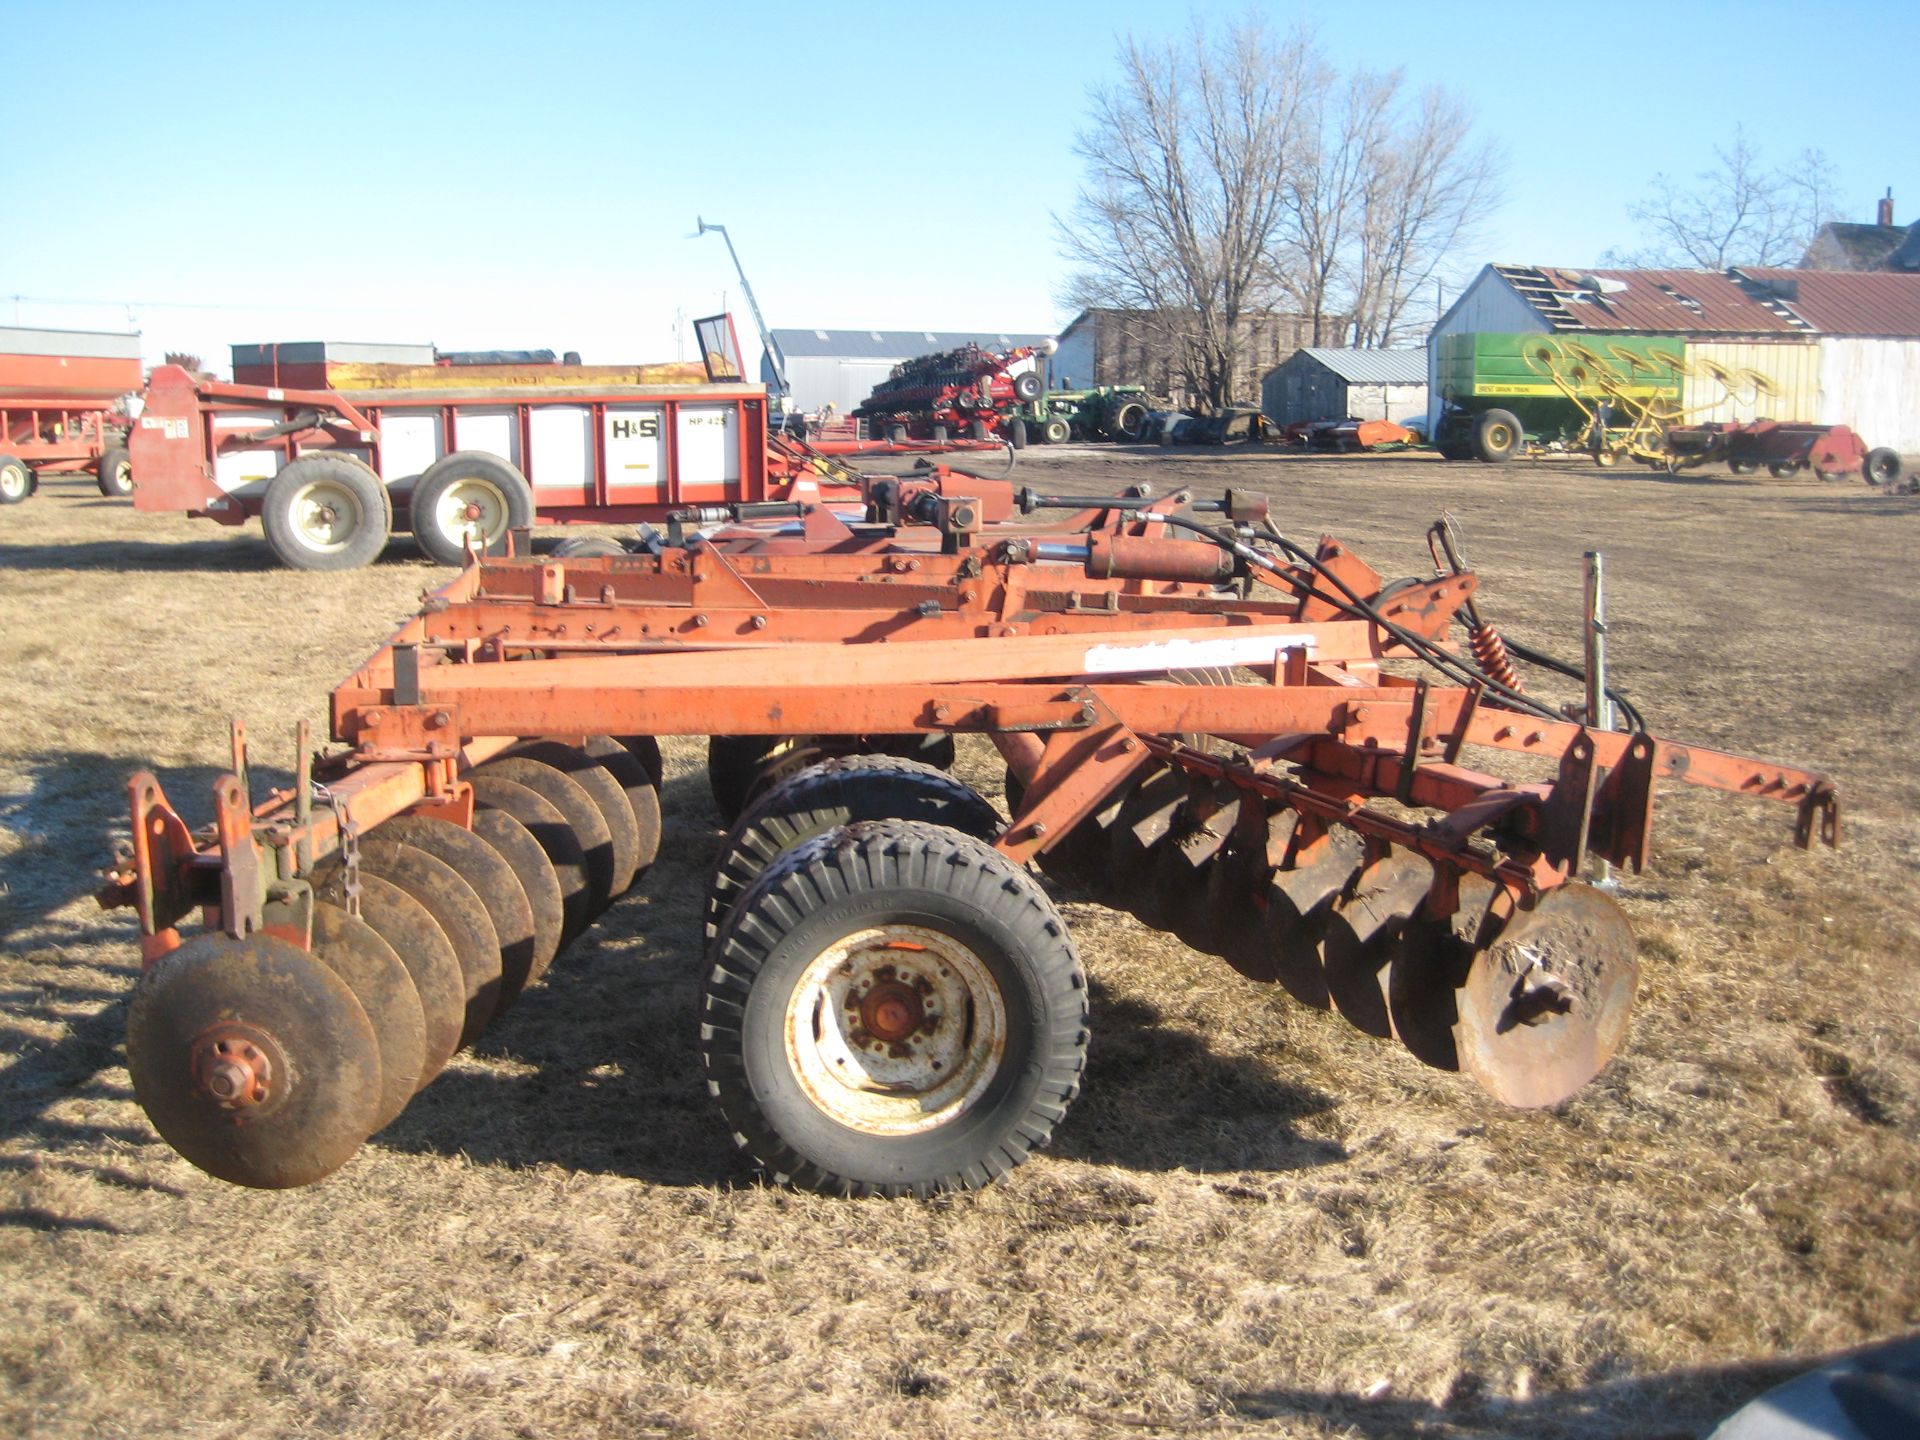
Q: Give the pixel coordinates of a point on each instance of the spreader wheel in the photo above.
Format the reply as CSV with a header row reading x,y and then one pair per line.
x,y
1299,905
350,948
410,932
16,480
469,497
325,512
833,793
254,1060
892,1009
538,883
114,473
556,839
492,879
459,914
1545,1006
583,816
642,787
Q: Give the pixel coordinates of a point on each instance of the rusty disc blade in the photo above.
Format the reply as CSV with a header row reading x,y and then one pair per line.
x,y
400,920
555,838
254,1060
456,910
1184,866
1237,884
1145,823
1545,1006
515,844
1299,904
1430,961
1360,936
646,750
1076,857
642,785
582,815
491,878
351,948
607,795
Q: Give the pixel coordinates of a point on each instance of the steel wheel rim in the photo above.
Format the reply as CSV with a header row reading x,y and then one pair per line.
x,y
326,516
1499,437
13,481
895,1030
472,510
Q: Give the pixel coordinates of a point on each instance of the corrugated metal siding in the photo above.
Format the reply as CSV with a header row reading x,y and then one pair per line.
x,y
1487,304
1736,380
80,344
1873,386
1373,367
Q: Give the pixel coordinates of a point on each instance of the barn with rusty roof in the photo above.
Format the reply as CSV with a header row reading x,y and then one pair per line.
x,y
1836,347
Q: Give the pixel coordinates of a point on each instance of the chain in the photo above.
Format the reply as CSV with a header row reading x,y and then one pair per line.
x,y
349,847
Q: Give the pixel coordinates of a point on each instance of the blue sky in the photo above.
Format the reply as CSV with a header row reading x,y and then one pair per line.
x,y
494,175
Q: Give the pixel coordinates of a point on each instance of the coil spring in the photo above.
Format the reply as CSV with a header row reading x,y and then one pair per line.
x,y
1490,651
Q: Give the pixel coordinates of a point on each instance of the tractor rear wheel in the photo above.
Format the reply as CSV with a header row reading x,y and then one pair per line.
x,y
892,1009
1497,436
325,512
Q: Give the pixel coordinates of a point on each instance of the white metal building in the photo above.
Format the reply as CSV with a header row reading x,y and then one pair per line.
x,y
1319,383
843,366
1832,347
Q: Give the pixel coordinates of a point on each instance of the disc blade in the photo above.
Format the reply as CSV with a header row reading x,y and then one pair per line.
x,y
491,878
1574,946
582,816
646,750
1299,904
556,839
541,888
1361,930
401,921
456,910
253,1060
608,797
1145,823
642,787
350,948
1431,959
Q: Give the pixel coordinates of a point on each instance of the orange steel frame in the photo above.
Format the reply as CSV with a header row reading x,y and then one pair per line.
x,y
1056,662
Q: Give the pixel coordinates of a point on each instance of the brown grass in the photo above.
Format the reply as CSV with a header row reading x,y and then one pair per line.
x,y
1255,1220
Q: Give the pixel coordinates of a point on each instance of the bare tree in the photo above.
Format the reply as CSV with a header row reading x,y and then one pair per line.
x,y
1738,212
1187,164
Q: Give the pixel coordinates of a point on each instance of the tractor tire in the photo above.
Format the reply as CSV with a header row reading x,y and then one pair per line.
x,y
976,429
114,473
893,1009
1017,433
1028,387
584,547
1497,437
325,512
741,768
17,480
469,493
1882,466
939,434
834,793
1128,421
1055,431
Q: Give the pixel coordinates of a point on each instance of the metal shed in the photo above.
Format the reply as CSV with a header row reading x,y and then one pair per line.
x,y
1320,383
842,366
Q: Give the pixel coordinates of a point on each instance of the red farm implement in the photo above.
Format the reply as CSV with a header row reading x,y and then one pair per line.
x,y
1254,744
62,408
969,393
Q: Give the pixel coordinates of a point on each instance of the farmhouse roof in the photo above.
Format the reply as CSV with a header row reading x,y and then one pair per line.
x,y
1372,367
1861,247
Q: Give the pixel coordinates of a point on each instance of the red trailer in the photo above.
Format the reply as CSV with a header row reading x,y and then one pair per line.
x,y
458,457
63,407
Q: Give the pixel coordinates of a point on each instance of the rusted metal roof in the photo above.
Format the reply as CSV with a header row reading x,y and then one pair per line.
x,y
1842,302
1665,302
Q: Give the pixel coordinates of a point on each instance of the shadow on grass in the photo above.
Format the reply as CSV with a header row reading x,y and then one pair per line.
x,y
225,553
1874,1391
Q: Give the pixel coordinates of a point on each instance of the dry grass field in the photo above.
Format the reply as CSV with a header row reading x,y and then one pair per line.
x,y
1256,1221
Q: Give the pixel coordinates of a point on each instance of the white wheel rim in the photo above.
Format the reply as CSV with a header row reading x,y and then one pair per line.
x,y
326,516
13,480
896,1030
471,510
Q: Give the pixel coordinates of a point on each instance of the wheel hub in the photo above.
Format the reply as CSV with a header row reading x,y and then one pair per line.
x,y
892,1008
234,1066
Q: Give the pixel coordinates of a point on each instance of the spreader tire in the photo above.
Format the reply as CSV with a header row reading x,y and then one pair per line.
x,y
114,473
325,512
834,793
1497,436
1882,466
16,480
469,493
893,1009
